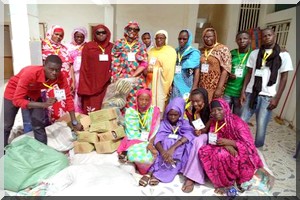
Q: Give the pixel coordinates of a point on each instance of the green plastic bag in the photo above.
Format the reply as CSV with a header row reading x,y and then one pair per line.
x,y
27,162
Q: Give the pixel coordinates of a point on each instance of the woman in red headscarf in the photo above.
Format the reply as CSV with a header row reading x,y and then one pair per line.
x,y
52,45
95,69
141,124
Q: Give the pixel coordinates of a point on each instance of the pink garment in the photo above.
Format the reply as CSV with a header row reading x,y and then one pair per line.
x,y
221,167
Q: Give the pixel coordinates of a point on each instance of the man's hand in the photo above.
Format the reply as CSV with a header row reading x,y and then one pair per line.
x,y
50,101
273,103
232,76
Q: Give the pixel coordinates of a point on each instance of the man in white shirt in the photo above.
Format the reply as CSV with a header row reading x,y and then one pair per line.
x,y
264,83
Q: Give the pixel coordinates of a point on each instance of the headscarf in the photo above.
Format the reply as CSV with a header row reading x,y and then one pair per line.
x,y
51,31
216,37
164,33
140,92
274,63
135,23
106,42
81,30
151,39
185,129
190,55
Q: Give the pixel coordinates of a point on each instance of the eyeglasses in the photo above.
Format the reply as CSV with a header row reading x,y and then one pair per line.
x,y
182,39
100,32
133,29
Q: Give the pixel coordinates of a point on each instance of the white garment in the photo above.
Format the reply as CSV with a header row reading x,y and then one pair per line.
x,y
268,90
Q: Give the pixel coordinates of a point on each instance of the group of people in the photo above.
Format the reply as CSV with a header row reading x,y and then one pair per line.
x,y
178,115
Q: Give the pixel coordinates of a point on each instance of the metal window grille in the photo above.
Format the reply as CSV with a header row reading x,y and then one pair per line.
x,y
281,30
249,14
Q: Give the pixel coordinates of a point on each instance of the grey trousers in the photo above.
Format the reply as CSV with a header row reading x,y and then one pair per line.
x,y
38,121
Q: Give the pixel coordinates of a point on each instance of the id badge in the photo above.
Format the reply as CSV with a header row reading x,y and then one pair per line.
x,y
239,72
173,136
178,69
103,57
198,124
78,59
60,94
204,67
258,72
131,56
152,61
212,138
144,135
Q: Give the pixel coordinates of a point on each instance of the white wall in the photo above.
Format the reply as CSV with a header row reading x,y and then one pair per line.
x,y
171,18
289,112
71,16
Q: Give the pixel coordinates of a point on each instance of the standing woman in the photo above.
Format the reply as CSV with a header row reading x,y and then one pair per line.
x,y
147,40
95,71
79,39
162,60
52,45
187,69
129,59
215,64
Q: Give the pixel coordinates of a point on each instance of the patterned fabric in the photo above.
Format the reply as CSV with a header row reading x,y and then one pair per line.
x,y
219,58
139,153
183,81
49,47
222,168
122,68
75,51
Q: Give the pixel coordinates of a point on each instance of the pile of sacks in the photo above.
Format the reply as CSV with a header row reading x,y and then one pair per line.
x,y
102,132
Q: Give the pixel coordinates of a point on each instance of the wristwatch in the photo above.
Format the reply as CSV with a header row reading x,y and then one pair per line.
x,y
74,122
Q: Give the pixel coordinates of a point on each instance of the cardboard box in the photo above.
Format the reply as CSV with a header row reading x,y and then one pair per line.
x,y
66,118
86,122
83,147
118,133
103,115
86,136
104,126
107,146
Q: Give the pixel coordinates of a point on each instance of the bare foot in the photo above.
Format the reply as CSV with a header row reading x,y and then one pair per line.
x,y
188,186
219,191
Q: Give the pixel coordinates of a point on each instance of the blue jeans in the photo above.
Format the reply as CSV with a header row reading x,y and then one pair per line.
x,y
26,120
263,116
234,104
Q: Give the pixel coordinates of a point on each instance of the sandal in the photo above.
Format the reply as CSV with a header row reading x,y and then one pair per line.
x,y
153,181
188,186
123,157
144,180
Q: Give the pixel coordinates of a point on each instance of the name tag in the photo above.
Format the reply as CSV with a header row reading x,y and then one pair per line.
x,y
212,138
204,67
131,56
144,135
60,94
258,72
173,136
239,72
178,69
152,61
198,124
78,59
103,57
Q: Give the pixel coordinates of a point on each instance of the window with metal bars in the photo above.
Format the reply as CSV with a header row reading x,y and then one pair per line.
x,y
249,14
281,30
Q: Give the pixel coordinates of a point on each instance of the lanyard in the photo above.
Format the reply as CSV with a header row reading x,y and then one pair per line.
x,y
55,51
51,85
244,58
130,45
102,49
143,121
180,56
175,130
216,127
207,55
266,55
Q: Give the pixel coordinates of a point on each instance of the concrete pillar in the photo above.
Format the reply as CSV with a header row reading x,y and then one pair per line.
x,y
26,46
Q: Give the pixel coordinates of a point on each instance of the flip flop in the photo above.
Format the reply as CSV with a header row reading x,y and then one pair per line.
x,y
187,188
153,181
144,180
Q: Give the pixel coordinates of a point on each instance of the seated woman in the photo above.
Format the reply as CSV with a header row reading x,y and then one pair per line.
x,y
199,118
141,125
231,155
173,142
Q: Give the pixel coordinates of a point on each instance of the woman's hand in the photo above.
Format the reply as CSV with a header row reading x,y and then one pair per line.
x,y
153,150
218,93
198,132
231,150
225,142
168,156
